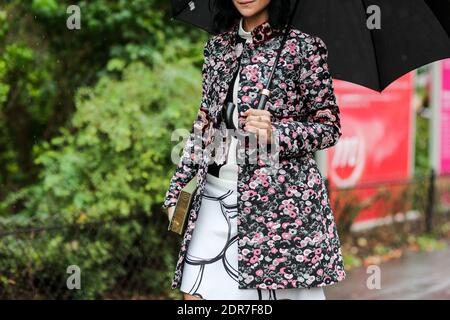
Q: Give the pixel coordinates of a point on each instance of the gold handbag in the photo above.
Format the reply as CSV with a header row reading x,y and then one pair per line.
x,y
183,206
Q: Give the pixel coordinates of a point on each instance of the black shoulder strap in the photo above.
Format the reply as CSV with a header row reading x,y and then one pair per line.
x,y
265,92
287,28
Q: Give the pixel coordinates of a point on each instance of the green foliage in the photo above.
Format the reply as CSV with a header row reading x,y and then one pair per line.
x,y
3,23
422,159
351,261
422,141
46,63
25,107
85,123
110,164
4,88
430,243
114,162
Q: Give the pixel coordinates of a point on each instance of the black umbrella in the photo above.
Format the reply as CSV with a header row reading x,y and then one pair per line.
x,y
411,33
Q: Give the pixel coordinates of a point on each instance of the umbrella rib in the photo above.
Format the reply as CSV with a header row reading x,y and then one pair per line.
x,y
374,47
175,14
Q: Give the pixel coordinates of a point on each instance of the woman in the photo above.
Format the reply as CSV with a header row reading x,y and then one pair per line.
x,y
253,232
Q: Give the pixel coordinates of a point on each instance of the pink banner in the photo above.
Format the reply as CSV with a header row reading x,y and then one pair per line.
x,y
444,161
376,141
376,144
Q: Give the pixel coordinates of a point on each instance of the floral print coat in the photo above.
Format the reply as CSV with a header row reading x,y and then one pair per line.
x,y
287,233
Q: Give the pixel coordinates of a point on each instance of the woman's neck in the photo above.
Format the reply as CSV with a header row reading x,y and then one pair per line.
x,y
249,23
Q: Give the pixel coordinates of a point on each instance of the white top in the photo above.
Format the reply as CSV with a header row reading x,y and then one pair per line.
x,y
228,173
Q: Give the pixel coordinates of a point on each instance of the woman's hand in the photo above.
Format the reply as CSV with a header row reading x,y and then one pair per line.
x,y
260,123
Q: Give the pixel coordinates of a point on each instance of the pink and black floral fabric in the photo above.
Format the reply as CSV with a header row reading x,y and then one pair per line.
x,y
287,233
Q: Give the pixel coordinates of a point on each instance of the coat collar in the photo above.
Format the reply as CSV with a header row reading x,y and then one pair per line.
x,y
260,34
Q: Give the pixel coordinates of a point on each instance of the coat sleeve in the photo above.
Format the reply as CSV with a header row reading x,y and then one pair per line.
x,y
322,128
189,162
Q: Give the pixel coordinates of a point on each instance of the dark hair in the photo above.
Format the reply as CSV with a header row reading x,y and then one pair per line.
x,y
225,14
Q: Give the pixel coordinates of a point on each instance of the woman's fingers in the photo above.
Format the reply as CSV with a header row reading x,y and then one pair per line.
x,y
255,115
263,118
262,130
263,134
258,124
256,112
255,129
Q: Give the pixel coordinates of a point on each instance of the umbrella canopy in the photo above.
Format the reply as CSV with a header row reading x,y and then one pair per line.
x,y
370,42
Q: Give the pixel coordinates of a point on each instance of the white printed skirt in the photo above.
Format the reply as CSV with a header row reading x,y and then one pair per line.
x,y
211,265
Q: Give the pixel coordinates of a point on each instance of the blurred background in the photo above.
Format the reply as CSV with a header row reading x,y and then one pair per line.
x,y
89,97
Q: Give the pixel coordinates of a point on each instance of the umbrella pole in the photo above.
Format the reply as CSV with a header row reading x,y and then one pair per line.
x,y
265,92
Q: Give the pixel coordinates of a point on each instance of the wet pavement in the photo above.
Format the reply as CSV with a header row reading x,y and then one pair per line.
x,y
415,276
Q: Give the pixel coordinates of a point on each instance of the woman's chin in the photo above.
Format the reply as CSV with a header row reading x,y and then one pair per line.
x,y
247,12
